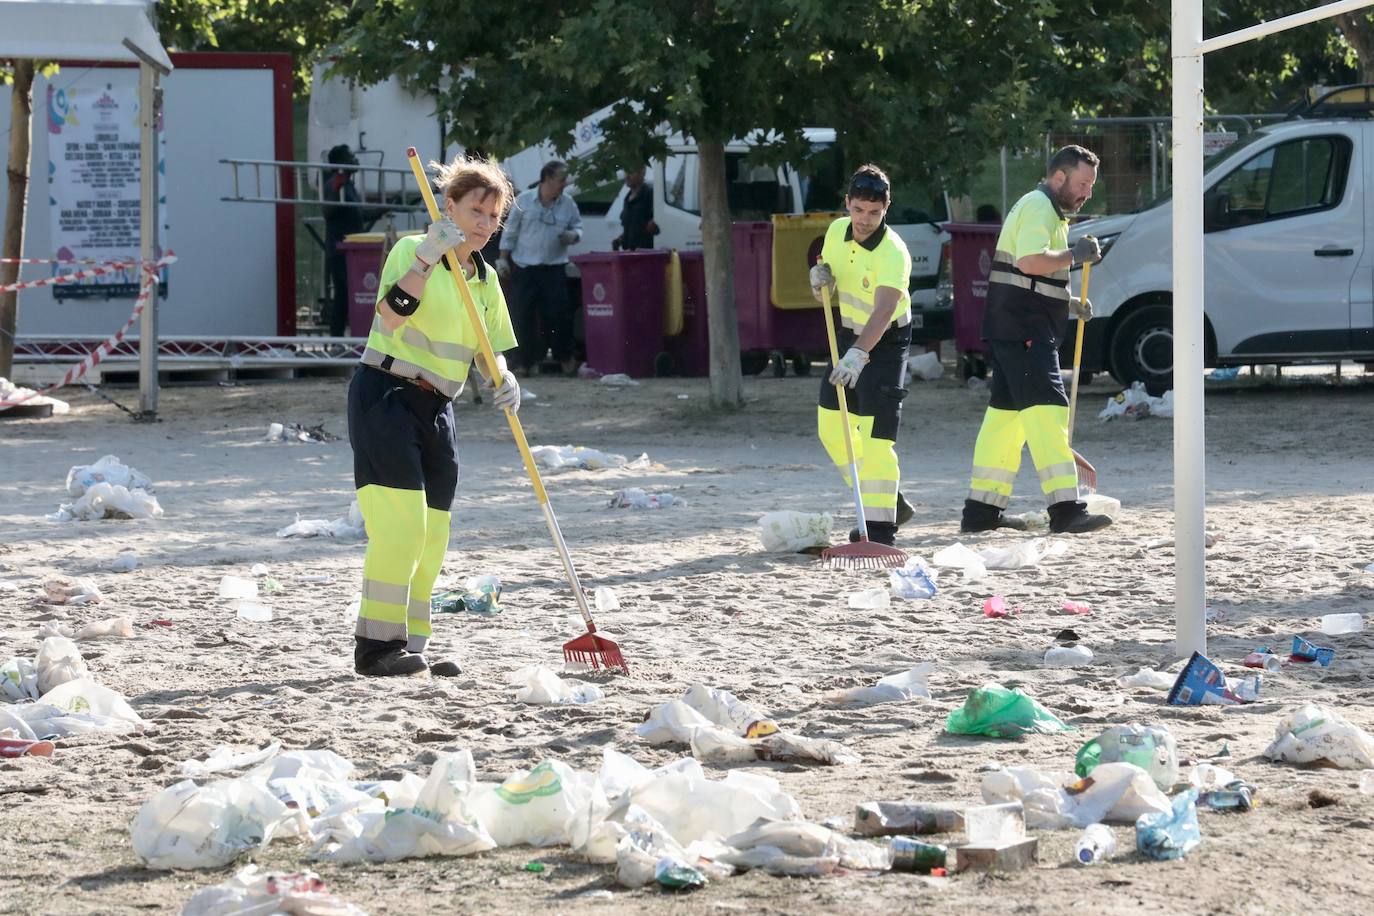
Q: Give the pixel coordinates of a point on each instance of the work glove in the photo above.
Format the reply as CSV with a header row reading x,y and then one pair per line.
x,y
1082,309
569,236
502,267
507,397
821,276
1086,251
850,365
442,236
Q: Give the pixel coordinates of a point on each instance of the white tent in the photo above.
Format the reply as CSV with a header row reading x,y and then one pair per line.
x,y
104,30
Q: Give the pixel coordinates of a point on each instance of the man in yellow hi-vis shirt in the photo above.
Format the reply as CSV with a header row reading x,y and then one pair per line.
x,y
870,268
1028,308
400,412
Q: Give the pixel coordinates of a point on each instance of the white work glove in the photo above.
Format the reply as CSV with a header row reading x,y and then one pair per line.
x,y
507,397
442,236
851,364
502,267
1086,251
569,236
1082,309
821,276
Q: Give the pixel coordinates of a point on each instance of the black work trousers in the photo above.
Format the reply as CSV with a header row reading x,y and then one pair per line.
x,y
541,313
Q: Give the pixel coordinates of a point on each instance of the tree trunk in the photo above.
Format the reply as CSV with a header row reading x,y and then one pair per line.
x,y
727,381
21,116
1360,33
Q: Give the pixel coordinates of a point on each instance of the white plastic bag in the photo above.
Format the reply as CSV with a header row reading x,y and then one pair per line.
x,y
723,708
59,661
538,807
635,498
1318,734
108,469
225,758
190,826
104,500
254,893
122,627
957,556
541,687
789,532
1023,553
236,587
914,580
348,527
1113,792
67,590
893,688
692,807
1148,677
81,706
1068,656
926,367
19,679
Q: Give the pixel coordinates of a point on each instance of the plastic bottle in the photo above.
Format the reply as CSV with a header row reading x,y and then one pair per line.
x,y
894,818
1337,624
910,854
1097,844
1068,656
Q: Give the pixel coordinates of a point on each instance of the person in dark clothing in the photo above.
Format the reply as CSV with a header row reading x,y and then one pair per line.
x,y
340,222
637,216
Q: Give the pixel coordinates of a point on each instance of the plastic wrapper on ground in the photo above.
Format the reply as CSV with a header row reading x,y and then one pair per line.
x,y
1114,792
893,688
539,686
190,826
1170,834
997,712
1319,735
255,893
789,532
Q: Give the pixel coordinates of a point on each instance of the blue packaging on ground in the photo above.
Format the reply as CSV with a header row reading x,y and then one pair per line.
x,y
1170,835
1304,651
1201,682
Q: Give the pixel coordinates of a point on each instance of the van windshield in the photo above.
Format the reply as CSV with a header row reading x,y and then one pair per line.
x,y
1208,164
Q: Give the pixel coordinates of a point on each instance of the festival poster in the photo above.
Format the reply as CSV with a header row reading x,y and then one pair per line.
x,y
93,181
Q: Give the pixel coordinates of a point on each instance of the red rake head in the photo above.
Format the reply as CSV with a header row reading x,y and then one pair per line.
x,y
863,555
597,651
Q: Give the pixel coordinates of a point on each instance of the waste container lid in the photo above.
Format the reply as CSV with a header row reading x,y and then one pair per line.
x,y
378,237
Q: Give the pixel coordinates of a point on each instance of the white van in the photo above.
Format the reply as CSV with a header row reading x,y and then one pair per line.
x,y
1288,274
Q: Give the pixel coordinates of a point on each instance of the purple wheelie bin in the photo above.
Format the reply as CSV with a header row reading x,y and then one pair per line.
x,y
622,307
972,246
363,257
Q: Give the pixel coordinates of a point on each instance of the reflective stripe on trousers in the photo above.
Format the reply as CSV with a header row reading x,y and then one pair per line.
x,y
879,471
997,454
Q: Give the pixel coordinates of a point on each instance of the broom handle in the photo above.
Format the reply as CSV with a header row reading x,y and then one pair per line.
x,y
844,415
1078,352
518,431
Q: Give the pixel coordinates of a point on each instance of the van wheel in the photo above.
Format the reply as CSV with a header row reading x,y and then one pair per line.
x,y
1143,349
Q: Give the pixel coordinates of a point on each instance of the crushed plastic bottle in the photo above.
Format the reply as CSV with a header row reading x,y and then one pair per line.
x,y
1152,748
1172,835
1097,844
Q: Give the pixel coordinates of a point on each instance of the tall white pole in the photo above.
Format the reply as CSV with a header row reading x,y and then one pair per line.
x,y
148,105
1190,563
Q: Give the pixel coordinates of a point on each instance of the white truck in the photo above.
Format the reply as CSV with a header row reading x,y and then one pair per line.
x,y
1288,273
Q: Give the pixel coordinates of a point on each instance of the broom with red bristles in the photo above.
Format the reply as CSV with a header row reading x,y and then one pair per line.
x,y
863,553
590,648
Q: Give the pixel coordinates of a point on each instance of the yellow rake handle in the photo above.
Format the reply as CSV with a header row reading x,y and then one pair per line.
x,y
1078,352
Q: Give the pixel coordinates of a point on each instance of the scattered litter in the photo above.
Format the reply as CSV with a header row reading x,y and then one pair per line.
x,y
957,556
1264,658
479,595
605,599
59,661
249,893
1306,542
66,590
1097,844
11,747
893,688
1076,607
1340,624
1201,682
1148,677
258,570
108,469
1068,656
190,826
19,679
1304,651
539,686
1114,792
1022,553
1152,748
790,532
926,367
997,712
125,562
315,579
1318,734
224,758
1135,403
618,380
996,606
912,855
870,599
298,432
1034,520
1223,374
914,580
77,707
1170,834
577,457
897,818
348,527
122,627
107,489
12,392
252,611
635,498
1233,797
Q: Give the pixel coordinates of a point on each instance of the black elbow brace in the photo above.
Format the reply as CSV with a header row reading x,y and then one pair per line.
x,y
402,302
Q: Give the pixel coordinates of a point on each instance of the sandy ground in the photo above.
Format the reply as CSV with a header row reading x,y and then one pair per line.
x,y
701,603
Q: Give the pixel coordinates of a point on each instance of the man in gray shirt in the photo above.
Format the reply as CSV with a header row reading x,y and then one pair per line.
x,y
534,252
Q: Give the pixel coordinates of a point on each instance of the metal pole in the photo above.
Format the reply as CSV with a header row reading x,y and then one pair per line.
x,y
148,105
1217,42
1190,583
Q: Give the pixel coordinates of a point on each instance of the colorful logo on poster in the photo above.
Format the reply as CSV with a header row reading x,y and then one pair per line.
x,y
60,110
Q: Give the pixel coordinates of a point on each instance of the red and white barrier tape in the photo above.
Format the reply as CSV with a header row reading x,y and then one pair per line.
x,y
68,261
100,352
66,278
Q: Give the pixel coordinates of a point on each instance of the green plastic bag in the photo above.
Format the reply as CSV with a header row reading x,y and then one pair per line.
x,y
997,712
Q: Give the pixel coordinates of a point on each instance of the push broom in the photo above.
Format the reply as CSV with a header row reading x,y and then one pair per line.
x,y
863,553
590,648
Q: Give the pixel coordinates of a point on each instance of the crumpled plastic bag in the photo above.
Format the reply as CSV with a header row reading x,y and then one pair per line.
x,y
914,580
725,709
190,826
1023,553
108,469
957,556
790,532
254,893
926,367
225,758
1135,403
1150,747
59,661
1170,834
79,707
1114,792
539,686
892,688
69,590
348,527
121,627
692,807
539,807
997,712
804,840
577,457
1318,734
635,498
19,679
104,500
1148,677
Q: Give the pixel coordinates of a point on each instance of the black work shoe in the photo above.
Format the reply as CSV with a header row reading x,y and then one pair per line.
x,y
904,510
878,533
980,517
445,669
1072,517
382,658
